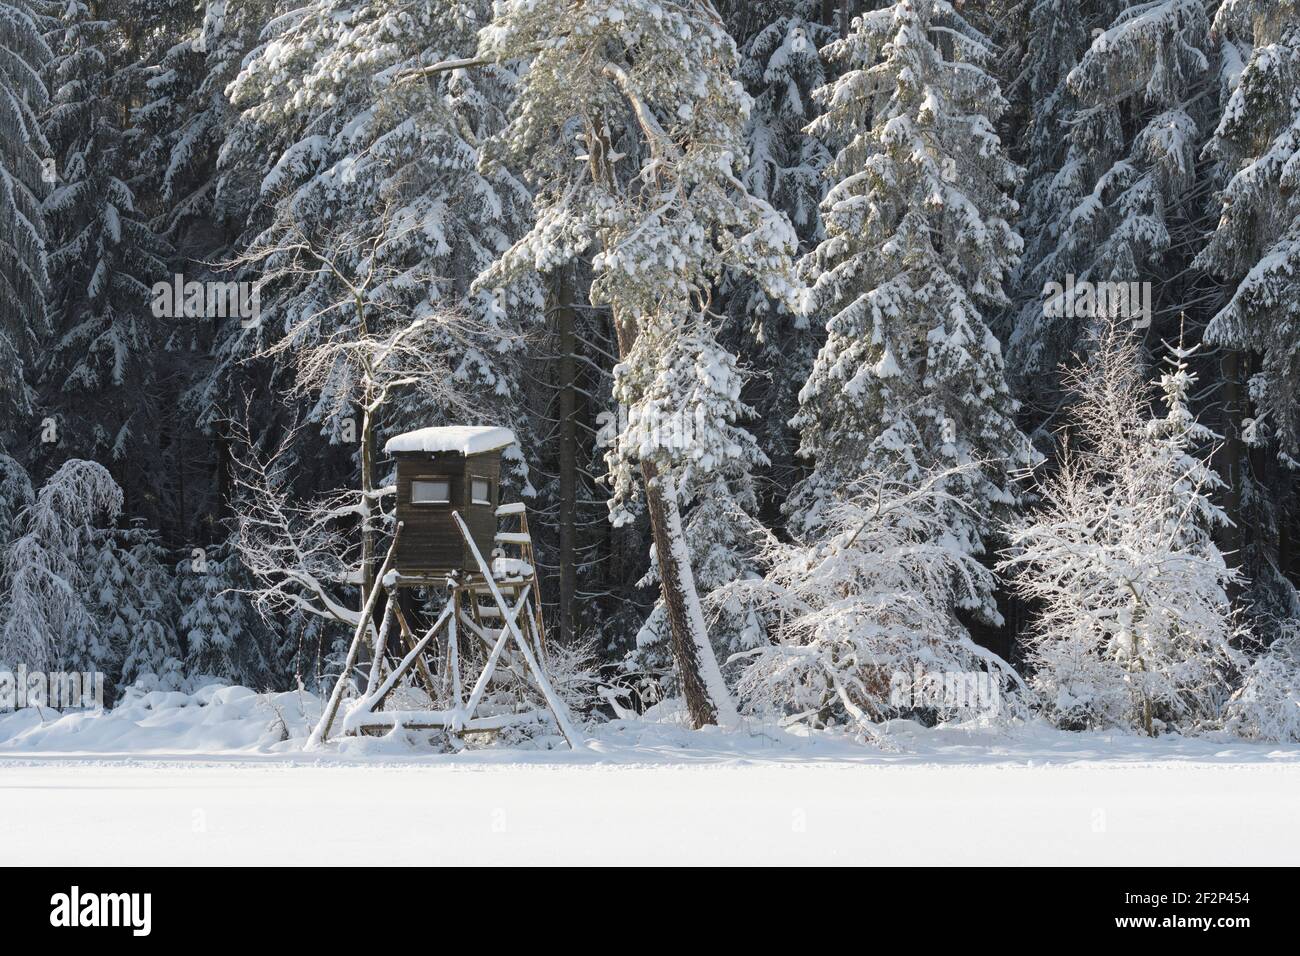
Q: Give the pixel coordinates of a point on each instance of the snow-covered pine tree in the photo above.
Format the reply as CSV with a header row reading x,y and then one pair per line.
x,y
148,606
1179,445
918,243
223,635
1135,626
644,174
1256,246
186,116
23,276
1058,174
134,600
1125,203
780,67
102,648
1152,61
343,151
99,375
50,617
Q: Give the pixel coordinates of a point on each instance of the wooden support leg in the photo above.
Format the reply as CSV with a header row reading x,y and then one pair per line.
x,y
453,650
561,713
381,647
321,732
480,685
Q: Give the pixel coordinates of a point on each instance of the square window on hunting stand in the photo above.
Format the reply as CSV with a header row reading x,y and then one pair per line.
x,y
430,491
480,491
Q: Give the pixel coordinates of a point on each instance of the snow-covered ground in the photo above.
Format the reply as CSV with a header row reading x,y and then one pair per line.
x,y
219,778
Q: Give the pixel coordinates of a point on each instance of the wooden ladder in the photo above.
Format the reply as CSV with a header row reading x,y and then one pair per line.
x,y
522,540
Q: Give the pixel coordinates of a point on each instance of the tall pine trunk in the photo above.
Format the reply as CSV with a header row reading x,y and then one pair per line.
x,y
1234,455
706,695
562,290
707,699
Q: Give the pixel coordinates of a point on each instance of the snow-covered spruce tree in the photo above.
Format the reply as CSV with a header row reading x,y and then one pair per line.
x,y
16,496
134,600
780,67
1126,204
1058,175
348,154
1135,626
864,609
100,374
1152,61
186,115
1178,445
644,174
223,635
23,275
918,242
1256,246
50,621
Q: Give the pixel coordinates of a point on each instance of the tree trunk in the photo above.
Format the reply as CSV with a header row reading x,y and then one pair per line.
x,y
707,699
1234,455
367,532
182,523
368,501
562,291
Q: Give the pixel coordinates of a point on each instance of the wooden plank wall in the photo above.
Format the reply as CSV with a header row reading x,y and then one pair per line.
x,y
430,540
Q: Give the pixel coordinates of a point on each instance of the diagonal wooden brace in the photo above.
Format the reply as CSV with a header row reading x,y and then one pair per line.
x,y
322,730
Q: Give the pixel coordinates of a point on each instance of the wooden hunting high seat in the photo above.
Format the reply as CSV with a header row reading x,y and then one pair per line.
x,y
441,471
448,484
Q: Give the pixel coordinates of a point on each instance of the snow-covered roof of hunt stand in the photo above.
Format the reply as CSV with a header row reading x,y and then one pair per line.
x,y
461,439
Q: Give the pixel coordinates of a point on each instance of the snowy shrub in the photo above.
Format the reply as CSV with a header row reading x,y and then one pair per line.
x,y
1267,705
869,604
572,671
1134,626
